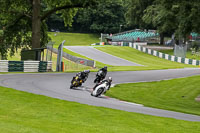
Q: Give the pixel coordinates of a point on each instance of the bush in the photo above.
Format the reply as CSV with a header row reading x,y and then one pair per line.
x,y
195,46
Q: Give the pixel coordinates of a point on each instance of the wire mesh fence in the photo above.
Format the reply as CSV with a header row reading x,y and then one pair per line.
x,y
180,50
74,66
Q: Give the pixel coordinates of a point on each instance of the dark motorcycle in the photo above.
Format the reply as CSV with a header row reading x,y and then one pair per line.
x,y
76,82
99,77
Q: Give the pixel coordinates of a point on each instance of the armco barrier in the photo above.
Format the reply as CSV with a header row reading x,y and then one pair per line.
x,y
15,66
25,66
3,65
78,60
31,66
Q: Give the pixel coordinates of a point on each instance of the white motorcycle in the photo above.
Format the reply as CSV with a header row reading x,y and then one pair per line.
x,y
102,87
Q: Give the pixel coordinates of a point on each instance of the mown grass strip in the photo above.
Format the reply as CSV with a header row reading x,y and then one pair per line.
x,y
73,39
25,112
176,94
150,62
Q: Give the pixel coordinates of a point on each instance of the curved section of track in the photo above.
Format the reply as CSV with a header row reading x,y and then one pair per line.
x,y
57,86
100,56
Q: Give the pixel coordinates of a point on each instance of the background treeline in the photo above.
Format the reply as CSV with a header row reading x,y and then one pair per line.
x,y
20,30
106,17
166,16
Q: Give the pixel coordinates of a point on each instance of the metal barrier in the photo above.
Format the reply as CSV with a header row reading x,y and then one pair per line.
x,y
25,66
3,65
75,59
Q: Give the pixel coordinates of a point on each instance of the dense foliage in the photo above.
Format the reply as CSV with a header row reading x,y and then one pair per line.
x,y
135,12
23,21
167,16
105,18
176,16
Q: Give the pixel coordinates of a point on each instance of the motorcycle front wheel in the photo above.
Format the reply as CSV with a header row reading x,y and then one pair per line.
x,y
99,92
71,86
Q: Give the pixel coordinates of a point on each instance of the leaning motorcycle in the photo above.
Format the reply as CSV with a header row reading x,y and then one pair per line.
x,y
76,82
100,89
100,76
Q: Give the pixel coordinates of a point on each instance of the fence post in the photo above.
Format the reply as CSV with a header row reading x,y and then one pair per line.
x,y
59,57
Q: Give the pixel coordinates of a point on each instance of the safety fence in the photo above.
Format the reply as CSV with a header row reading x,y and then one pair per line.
x,y
118,43
158,54
25,66
75,59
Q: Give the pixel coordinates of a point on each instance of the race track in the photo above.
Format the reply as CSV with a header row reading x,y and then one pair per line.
x,y
100,56
56,85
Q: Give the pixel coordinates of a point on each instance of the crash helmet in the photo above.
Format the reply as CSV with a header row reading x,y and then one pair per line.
x,y
110,79
105,67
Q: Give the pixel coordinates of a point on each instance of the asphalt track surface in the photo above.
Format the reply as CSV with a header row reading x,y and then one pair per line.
x,y
56,85
100,56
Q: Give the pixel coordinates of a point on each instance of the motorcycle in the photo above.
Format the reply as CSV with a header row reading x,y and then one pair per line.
x,y
100,76
100,89
76,82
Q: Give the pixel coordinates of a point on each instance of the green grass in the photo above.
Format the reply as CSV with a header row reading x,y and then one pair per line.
x,y
16,57
74,39
150,62
22,112
74,54
176,94
188,54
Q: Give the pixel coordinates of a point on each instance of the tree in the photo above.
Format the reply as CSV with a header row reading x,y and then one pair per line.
x,y
56,23
135,12
24,21
105,18
176,16
161,17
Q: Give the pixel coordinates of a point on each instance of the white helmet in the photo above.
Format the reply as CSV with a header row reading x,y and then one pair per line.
x,y
109,79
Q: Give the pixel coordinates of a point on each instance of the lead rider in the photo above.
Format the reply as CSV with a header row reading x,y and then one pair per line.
x,y
83,75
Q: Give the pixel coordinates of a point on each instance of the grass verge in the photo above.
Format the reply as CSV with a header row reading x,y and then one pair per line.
x,y
176,94
150,62
73,39
25,112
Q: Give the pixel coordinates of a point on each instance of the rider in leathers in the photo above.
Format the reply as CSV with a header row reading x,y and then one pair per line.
x,y
83,75
102,72
108,82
